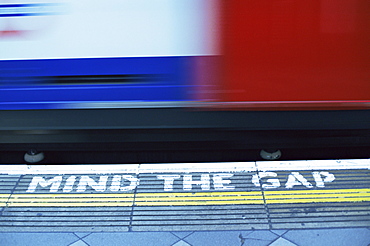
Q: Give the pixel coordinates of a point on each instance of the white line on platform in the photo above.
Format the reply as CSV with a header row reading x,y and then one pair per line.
x,y
199,167
69,169
187,167
313,165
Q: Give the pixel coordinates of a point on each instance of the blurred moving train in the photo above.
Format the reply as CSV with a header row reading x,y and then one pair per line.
x,y
276,54
297,53
251,74
98,54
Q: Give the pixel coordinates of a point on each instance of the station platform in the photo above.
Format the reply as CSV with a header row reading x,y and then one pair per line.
x,y
247,203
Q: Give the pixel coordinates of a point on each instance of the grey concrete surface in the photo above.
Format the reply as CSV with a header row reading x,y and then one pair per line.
x,y
34,239
325,237
317,237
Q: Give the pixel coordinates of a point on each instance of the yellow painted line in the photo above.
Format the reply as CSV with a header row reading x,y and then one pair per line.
x,y
143,199
311,196
315,200
184,198
338,195
71,200
198,203
4,199
198,198
81,200
203,194
289,192
77,195
72,204
318,196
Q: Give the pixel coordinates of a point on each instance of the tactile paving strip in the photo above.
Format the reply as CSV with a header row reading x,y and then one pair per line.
x,y
344,202
196,196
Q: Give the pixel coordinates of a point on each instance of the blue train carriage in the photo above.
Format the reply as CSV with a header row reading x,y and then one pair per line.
x,y
93,54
